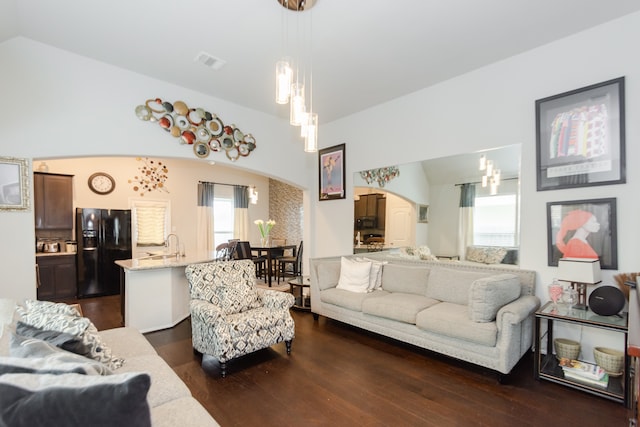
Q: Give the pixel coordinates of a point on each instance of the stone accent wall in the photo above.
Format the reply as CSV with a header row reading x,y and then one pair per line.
x,y
285,207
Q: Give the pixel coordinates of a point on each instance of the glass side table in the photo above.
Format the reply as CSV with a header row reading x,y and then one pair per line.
x,y
546,366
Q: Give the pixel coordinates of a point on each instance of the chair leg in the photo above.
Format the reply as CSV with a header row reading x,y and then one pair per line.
x,y
288,344
223,369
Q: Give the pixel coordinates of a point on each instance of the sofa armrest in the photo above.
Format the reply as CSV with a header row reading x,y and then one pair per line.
x,y
205,311
275,299
517,311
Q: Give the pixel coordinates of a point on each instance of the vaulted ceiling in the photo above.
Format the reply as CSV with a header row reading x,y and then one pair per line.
x,y
363,52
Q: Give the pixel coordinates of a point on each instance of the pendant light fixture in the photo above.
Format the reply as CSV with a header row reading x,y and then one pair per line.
x,y
290,79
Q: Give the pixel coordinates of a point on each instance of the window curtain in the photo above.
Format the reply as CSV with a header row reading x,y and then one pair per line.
x,y
241,212
465,219
205,238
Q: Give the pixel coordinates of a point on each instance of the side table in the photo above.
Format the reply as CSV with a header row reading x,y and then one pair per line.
x,y
546,367
297,287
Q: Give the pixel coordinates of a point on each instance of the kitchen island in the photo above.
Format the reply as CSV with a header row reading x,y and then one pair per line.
x,y
155,290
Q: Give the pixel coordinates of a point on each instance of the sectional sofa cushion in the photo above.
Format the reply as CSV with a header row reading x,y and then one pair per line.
x,y
348,299
488,295
397,306
452,321
451,285
354,275
404,278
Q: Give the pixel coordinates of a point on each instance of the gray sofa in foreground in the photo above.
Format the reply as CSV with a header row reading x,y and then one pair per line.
x,y
58,387
477,313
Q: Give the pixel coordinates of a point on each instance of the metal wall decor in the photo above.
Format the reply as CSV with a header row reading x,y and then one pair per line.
x,y
152,177
197,127
380,175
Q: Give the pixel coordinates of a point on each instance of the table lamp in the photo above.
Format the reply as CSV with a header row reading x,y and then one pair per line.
x,y
580,272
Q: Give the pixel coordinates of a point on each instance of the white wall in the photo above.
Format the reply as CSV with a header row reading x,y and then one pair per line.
x,y
492,107
59,105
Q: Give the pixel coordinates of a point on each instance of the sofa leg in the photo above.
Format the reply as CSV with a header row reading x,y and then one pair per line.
x,y
288,344
316,316
223,369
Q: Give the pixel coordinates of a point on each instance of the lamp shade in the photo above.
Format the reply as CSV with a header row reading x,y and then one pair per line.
x,y
579,270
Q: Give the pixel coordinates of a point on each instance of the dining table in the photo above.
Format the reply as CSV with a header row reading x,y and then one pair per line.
x,y
269,252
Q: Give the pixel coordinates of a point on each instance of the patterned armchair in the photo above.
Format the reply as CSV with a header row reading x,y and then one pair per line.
x,y
230,317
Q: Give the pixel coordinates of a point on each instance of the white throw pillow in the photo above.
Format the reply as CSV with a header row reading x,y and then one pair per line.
x,y
354,275
375,275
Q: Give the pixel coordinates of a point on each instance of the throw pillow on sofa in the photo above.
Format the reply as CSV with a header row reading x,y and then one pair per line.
x,y
375,275
75,400
354,275
488,295
48,316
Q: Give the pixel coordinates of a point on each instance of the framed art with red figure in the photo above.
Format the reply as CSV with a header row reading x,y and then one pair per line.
x,y
583,229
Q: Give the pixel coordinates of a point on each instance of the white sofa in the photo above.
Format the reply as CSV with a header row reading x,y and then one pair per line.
x,y
170,401
477,313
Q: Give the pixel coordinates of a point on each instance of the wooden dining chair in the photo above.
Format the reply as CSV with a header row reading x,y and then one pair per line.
x,y
289,266
243,251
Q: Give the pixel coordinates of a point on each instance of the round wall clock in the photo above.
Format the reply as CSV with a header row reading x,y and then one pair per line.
x,y
101,183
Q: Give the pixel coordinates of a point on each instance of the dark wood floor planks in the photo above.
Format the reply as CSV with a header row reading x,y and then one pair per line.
x,y
338,375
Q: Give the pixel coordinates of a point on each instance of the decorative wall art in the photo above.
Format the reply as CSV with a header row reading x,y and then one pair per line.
x,y
580,137
423,213
583,229
152,177
332,172
14,184
199,128
380,175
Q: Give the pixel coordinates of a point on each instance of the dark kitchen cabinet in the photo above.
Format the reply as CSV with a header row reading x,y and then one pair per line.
x,y
56,277
367,205
53,201
371,206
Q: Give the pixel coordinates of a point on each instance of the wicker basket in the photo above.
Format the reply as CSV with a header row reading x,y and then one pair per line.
x,y
608,359
566,349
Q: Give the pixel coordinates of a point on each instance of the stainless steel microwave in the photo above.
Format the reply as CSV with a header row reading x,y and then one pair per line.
x,y
365,222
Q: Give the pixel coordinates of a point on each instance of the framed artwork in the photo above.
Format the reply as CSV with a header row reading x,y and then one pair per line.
x,y
583,229
14,184
423,213
332,172
580,137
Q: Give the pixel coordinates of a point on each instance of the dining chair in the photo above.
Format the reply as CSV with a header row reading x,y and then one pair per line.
x,y
289,266
243,251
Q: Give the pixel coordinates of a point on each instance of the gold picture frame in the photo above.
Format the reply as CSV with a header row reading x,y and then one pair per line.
x,y
14,184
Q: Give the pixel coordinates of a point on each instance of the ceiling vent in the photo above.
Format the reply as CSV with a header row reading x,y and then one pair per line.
x,y
210,60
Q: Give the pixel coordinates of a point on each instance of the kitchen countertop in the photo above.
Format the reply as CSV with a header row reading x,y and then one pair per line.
x,y
54,253
159,261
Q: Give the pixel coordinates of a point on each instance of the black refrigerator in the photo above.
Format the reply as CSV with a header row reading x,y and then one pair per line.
x,y
104,236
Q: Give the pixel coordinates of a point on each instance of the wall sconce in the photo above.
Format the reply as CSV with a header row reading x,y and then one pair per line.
x,y
580,272
253,195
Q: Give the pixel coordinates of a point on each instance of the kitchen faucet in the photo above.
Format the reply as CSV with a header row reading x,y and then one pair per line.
x,y
167,244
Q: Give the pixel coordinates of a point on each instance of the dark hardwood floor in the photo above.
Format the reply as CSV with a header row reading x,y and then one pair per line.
x,y
338,375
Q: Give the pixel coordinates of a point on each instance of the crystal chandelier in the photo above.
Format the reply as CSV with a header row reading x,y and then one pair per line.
x,y
291,84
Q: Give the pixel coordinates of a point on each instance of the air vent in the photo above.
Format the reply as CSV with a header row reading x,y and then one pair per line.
x,y
210,60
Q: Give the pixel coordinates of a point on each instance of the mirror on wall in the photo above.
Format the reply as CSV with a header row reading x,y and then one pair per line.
x,y
434,185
